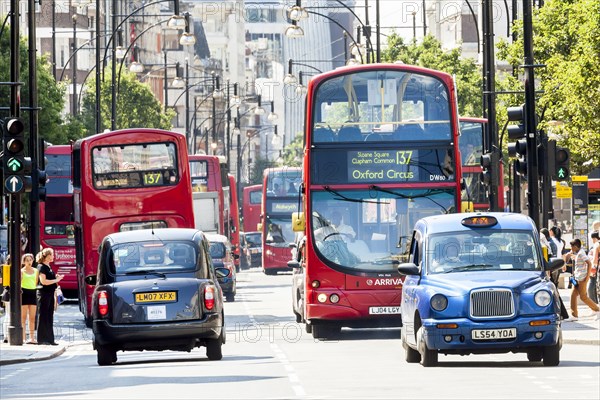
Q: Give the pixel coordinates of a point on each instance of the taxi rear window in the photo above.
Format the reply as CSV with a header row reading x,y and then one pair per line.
x,y
217,250
152,257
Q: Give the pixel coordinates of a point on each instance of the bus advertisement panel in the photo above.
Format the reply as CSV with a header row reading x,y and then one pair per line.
x,y
471,149
252,198
381,153
56,216
126,180
210,193
280,200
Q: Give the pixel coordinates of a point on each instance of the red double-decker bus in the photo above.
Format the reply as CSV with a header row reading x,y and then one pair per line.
x,y
251,203
381,153
126,180
279,201
471,149
210,193
56,216
234,220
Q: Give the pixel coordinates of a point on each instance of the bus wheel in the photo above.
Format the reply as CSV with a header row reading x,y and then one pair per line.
x,y
325,331
308,327
268,271
106,355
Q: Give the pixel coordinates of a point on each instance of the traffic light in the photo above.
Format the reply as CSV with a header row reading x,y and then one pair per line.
x,y
488,161
40,177
562,158
518,149
516,114
15,164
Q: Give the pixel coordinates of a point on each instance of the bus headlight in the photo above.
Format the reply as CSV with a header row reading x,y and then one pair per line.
x,y
542,298
439,302
322,297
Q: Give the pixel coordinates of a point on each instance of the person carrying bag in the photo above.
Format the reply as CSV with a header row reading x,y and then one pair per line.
x,y
46,297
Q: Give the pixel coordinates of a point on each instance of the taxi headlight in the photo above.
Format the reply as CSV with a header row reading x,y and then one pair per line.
x,y
439,302
543,298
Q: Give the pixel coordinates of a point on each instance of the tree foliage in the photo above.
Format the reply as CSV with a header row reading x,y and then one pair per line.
x,y
567,40
50,93
136,105
429,54
292,153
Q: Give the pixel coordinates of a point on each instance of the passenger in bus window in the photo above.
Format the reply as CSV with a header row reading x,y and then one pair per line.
x,y
338,224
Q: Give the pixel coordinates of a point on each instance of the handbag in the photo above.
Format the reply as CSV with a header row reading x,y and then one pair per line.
x,y
5,297
60,298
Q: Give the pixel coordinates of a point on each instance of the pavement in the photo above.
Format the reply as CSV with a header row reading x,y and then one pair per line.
x,y
586,330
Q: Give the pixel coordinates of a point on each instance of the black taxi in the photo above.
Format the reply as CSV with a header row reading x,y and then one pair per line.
x,y
157,289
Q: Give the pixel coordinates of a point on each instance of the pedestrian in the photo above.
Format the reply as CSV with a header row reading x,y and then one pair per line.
x,y
556,236
547,242
29,279
46,301
581,270
594,257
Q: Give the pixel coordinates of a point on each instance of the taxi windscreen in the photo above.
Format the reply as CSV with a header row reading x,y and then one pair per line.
x,y
482,249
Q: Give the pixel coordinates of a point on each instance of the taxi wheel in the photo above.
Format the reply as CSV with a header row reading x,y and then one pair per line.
x,y
230,297
429,358
551,355
213,349
410,355
106,355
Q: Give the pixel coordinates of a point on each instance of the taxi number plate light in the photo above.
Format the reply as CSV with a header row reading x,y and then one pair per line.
x,y
384,310
156,297
493,334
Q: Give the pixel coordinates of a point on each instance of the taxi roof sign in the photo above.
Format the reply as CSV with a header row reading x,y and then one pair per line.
x,y
480,221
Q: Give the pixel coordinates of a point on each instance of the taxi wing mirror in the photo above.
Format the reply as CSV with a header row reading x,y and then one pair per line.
x,y
554,264
298,222
408,269
222,272
91,280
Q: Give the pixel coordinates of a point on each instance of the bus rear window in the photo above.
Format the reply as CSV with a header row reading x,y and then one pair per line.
x,y
135,166
134,226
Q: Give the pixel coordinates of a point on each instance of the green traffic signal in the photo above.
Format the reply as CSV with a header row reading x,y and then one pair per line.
x,y
562,160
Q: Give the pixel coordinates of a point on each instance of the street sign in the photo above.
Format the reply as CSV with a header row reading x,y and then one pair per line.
x,y
563,192
13,184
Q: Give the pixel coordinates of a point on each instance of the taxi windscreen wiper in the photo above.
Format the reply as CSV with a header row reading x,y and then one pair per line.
x,y
146,272
425,195
470,267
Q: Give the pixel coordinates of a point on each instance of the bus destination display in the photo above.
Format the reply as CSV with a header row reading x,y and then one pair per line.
x,y
381,165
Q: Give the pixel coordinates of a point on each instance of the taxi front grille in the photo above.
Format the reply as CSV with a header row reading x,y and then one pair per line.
x,y
492,303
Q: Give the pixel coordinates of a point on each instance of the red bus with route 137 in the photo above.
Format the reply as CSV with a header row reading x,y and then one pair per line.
x,y
280,199
56,216
381,153
126,180
252,198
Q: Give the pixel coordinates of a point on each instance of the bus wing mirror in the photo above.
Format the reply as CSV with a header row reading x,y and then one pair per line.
x,y
466,206
293,264
91,280
298,222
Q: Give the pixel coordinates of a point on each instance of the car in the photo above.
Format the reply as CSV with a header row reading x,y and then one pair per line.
x,y
156,289
251,249
477,283
222,257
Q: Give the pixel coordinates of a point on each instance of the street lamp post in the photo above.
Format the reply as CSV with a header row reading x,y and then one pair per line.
x,y
73,47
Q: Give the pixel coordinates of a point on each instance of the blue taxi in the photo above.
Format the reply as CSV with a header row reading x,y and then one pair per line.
x,y
477,283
